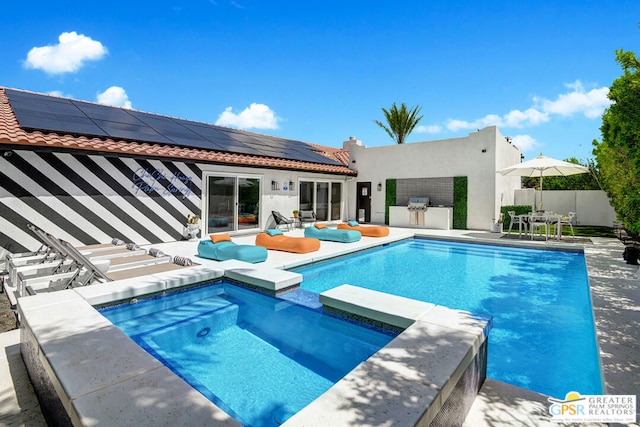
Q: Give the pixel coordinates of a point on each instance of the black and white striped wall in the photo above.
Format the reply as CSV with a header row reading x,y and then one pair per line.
x,y
88,199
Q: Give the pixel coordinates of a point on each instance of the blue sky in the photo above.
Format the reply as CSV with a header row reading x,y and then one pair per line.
x,y
321,71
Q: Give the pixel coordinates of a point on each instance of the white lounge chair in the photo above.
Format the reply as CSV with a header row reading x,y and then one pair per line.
x,y
82,270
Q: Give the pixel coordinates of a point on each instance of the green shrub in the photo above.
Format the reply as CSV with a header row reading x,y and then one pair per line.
x,y
460,202
390,198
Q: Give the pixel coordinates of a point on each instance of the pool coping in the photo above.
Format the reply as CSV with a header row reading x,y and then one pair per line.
x,y
96,370
128,287
427,359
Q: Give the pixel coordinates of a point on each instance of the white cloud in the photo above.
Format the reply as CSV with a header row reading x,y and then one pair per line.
x,y
68,56
428,129
525,143
591,104
256,116
529,117
114,96
488,120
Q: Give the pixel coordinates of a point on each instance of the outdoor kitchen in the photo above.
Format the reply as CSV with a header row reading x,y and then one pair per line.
x,y
423,203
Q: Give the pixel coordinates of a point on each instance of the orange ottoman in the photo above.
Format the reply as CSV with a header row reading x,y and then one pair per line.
x,y
368,230
280,242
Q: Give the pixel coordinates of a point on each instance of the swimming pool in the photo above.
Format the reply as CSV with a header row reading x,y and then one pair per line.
x,y
543,337
259,358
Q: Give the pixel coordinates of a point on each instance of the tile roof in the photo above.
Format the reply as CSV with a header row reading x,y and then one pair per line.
x,y
12,134
337,154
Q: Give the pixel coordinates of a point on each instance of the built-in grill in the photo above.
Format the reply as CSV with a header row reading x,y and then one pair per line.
x,y
416,207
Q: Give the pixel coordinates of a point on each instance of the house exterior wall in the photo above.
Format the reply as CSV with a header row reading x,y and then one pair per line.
x,y
476,156
279,199
87,199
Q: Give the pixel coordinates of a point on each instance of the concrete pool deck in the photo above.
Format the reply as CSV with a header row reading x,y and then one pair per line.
x,y
616,303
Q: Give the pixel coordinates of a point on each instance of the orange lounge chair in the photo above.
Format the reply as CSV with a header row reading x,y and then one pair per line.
x,y
280,242
368,230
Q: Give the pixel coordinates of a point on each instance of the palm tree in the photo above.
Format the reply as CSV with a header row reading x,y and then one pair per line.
x,y
401,122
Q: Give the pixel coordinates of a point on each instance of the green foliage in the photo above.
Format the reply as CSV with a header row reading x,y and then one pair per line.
x,y
460,202
390,198
618,154
518,209
583,181
400,122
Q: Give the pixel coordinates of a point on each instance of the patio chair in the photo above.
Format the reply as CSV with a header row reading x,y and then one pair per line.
x,y
281,220
568,220
307,216
537,221
517,219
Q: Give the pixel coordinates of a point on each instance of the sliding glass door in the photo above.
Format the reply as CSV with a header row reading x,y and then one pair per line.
x,y
248,203
233,203
307,191
322,197
336,200
322,201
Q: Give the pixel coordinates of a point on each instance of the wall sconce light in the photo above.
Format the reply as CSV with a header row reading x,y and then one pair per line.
x,y
379,186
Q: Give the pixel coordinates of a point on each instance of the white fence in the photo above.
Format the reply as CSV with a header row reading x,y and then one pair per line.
x,y
592,207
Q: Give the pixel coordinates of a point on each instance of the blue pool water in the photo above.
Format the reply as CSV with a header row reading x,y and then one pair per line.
x,y
259,358
543,336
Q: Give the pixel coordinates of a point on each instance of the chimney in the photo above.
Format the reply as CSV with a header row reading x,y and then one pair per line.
x,y
346,145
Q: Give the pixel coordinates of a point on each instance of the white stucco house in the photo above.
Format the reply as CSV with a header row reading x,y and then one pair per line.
x,y
427,169
88,173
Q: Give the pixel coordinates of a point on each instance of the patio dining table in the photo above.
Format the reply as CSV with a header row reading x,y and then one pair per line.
x,y
549,219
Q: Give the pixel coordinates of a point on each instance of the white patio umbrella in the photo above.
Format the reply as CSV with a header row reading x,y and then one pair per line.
x,y
543,166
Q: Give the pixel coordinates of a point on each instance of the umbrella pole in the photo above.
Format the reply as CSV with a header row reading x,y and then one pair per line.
x,y
540,190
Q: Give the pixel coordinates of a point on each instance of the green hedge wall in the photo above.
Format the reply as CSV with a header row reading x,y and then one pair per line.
x,y
390,198
460,202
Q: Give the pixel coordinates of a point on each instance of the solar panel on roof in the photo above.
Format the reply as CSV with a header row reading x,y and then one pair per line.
x,y
54,114
103,112
219,138
172,130
62,123
139,132
56,108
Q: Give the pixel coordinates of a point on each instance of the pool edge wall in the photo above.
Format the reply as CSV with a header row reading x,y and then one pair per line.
x,y
430,374
85,370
